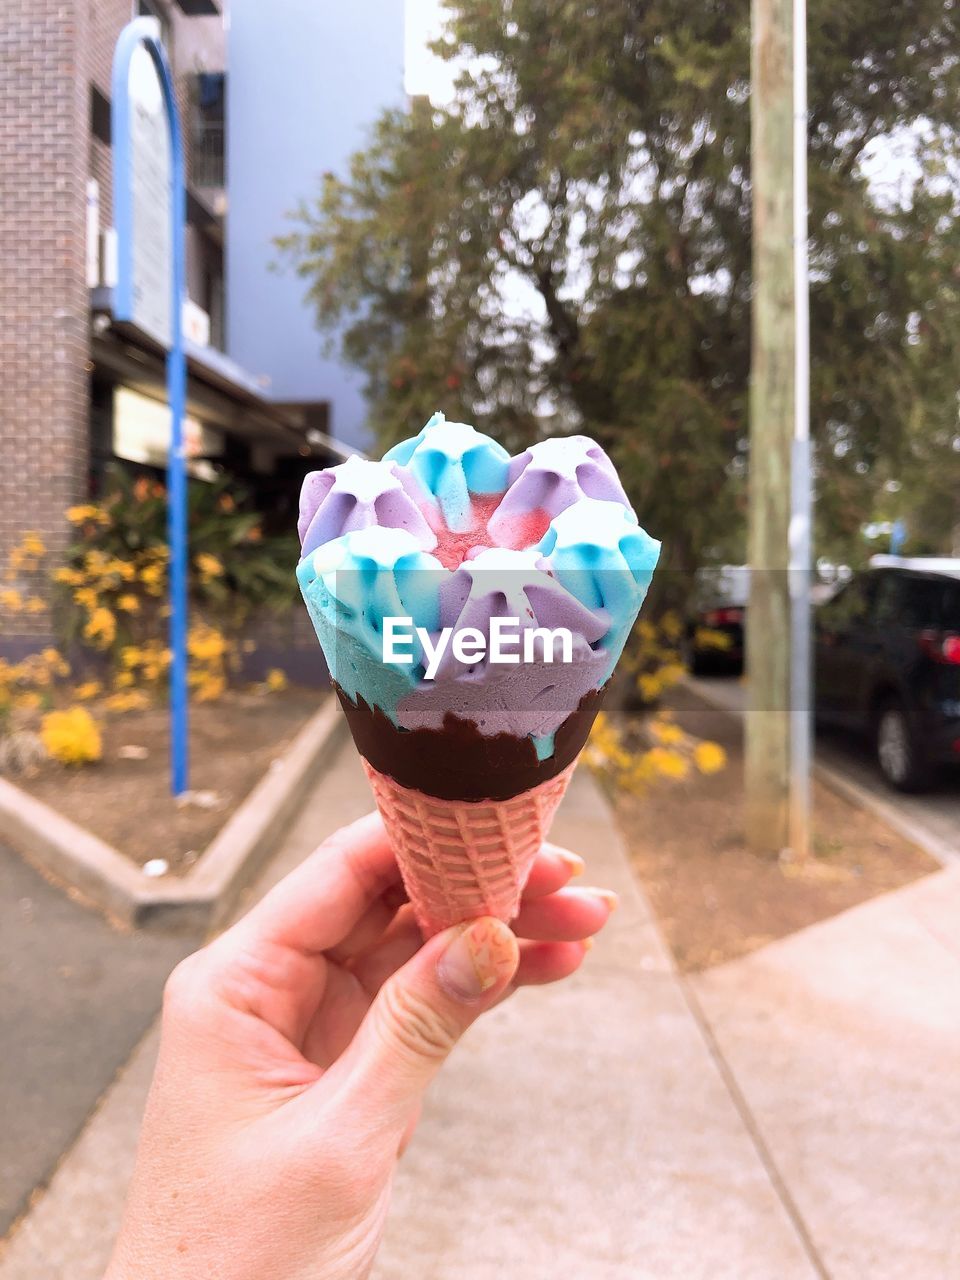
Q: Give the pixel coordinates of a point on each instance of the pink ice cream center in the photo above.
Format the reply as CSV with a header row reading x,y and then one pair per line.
x,y
515,533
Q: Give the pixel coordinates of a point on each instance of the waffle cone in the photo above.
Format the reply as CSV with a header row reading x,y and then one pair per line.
x,y
465,858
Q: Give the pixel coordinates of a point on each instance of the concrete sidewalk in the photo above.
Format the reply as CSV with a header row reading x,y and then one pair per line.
x,y
583,1130
844,1040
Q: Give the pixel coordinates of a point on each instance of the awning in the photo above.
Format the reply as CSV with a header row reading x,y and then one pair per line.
x,y
219,390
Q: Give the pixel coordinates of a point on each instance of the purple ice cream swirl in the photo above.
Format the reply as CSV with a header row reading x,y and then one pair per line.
x,y
583,564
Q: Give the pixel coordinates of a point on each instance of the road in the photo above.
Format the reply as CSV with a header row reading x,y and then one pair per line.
x,y
932,819
76,994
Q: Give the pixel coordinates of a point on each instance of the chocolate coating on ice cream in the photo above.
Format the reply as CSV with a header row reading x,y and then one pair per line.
x,y
457,761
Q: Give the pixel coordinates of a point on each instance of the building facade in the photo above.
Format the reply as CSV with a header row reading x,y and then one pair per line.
x,y
80,390
305,89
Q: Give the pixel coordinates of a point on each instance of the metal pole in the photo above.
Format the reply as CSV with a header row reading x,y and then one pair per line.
x,y
145,32
177,485
800,487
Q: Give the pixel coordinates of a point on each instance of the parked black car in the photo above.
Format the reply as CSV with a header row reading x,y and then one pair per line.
x,y
714,631
887,664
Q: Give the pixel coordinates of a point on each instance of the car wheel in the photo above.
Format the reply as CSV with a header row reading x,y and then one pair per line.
x,y
899,757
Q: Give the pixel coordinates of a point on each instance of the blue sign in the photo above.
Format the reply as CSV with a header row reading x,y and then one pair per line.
x,y
149,205
898,536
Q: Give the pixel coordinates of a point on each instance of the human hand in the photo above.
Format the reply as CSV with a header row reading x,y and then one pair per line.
x,y
295,1051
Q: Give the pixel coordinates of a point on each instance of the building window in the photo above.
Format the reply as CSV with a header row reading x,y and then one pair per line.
x,y
207,121
213,305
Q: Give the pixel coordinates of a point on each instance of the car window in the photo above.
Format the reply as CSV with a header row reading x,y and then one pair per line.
x,y
932,602
849,606
888,604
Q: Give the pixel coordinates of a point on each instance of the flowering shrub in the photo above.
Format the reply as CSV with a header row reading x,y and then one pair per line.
x,y
72,736
116,570
110,596
634,753
113,588
635,757
27,686
651,661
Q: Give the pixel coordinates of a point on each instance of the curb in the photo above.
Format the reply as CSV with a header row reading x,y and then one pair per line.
x,y
852,791
204,897
910,830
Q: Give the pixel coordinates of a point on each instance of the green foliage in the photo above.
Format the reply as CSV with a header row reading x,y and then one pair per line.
x,y
596,165
117,567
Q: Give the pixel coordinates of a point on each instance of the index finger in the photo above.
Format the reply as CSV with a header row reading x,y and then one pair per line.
x,y
316,906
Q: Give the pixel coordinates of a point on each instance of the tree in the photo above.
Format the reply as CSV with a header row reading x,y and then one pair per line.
x,y
568,246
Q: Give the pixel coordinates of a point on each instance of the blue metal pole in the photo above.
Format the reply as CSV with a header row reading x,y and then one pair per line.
x,y
177,472
143,31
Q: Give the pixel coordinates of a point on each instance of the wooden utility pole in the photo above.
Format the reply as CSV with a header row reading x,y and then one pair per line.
x,y
776,750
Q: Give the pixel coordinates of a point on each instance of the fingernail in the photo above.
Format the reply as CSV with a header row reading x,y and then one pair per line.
x,y
608,896
481,956
574,862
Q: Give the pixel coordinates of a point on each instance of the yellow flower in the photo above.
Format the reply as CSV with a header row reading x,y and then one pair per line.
x,y
72,577
152,578
671,626
709,757
33,545
123,680
85,512
131,656
210,688
641,773
276,680
72,736
668,735
209,566
55,662
671,764
671,673
605,747
128,700
11,600
649,686
89,689
122,569
128,603
34,671
29,701
86,596
205,644
33,604
101,628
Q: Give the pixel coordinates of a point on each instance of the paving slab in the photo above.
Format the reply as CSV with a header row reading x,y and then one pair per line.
x,y
582,1130
69,1233
76,995
845,1041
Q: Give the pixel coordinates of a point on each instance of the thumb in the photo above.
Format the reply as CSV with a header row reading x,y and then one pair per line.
x,y
422,1011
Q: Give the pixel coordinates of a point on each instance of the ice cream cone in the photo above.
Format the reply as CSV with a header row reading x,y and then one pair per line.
x,y
469,745
465,858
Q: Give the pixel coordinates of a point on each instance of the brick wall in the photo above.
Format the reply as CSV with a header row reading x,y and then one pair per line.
x,y
44,146
51,52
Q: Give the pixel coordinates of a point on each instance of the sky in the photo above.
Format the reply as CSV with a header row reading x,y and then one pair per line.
x,y
424,73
